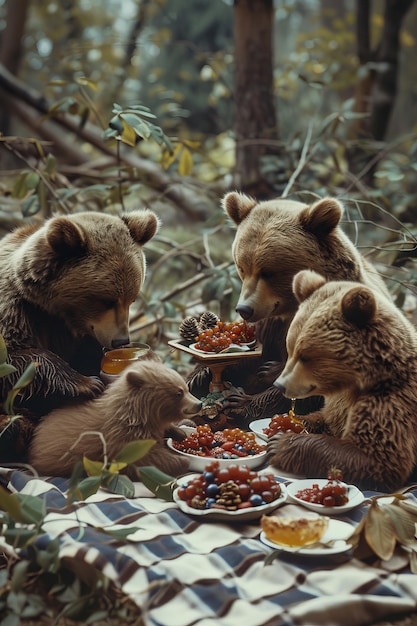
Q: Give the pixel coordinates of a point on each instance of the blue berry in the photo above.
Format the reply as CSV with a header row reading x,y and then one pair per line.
x,y
212,490
256,500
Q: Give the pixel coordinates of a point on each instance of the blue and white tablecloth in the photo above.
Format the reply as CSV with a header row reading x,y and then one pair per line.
x,y
182,572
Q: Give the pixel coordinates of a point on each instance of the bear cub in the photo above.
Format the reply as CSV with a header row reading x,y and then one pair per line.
x,y
351,345
143,403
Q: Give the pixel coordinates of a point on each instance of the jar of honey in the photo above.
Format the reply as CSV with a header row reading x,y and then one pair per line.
x,y
115,361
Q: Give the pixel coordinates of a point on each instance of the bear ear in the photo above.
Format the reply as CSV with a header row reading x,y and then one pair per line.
x,y
322,217
237,206
305,283
142,225
135,379
359,306
65,237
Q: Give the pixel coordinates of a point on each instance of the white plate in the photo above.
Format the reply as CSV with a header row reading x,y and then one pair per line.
x,y
220,515
258,425
233,347
355,496
198,463
337,532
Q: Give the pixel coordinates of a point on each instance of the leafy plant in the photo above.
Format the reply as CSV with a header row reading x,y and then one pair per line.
x,y
25,379
390,521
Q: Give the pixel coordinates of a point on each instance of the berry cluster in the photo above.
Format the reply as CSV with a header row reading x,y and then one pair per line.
x,y
333,493
230,443
223,334
283,423
232,488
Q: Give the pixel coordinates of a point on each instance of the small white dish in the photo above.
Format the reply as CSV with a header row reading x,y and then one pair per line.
x,y
220,515
257,427
198,463
355,496
337,533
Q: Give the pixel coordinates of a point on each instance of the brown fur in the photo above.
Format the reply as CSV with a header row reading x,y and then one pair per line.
x,y
143,403
274,240
355,348
66,287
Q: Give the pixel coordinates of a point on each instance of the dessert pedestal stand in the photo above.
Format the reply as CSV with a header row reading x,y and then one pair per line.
x,y
216,362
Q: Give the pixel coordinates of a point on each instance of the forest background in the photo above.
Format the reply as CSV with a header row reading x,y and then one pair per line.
x,y
114,105
167,104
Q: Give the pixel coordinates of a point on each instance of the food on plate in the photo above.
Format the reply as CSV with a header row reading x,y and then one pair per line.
x,y
282,423
230,443
232,488
333,493
294,531
210,334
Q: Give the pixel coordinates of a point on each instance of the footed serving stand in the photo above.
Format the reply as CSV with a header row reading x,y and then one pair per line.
x,y
216,362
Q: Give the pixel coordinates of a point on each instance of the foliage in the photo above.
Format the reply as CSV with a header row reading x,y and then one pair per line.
x,y
389,522
38,564
5,370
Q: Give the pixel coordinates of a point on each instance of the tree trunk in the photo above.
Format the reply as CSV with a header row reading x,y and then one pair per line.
x,y
255,115
10,49
377,88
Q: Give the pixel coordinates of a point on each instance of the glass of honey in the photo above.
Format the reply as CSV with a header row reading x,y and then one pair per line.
x,y
115,361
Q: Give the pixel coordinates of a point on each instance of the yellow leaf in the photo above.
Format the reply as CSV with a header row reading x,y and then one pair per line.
x,y
93,468
185,165
128,135
115,468
379,532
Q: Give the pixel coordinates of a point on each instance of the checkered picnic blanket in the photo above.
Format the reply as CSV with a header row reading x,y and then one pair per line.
x,y
181,571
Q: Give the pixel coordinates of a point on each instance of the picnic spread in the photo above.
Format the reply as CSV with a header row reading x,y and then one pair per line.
x,y
181,569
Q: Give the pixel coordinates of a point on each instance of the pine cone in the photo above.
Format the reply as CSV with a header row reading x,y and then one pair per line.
x,y
229,496
198,503
189,328
208,320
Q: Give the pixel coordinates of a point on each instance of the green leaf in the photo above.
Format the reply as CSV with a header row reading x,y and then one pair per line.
x,y
20,537
6,369
158,482
122,485
135,450
32,508
379,532
10,504
87,487
25,379
19,575
120,533
3,351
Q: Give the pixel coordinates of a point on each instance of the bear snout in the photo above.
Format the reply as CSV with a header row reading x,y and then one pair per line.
x,y
119,342
244,311
278,384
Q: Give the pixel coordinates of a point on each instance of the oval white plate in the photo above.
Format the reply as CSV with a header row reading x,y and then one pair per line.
x,y
234,347
355,496
198,463
337,532
220,515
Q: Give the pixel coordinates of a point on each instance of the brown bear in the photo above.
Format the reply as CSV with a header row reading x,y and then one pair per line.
x,y
351,345
274,240
66,287
142,403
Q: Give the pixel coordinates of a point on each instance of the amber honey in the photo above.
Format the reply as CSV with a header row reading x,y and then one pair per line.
x,y
115,361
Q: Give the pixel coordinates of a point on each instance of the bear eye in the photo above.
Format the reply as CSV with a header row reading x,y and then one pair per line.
x,y
266,274
303,358
109,304
180,393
